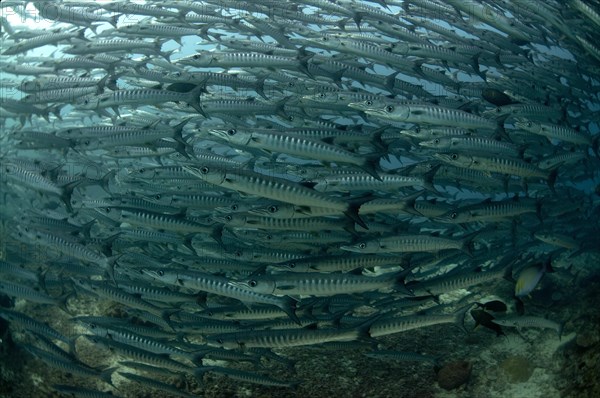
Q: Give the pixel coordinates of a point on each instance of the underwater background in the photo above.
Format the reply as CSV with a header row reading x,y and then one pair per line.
x,y
299,198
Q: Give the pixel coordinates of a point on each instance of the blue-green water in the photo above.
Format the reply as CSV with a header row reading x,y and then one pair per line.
x,y
350,198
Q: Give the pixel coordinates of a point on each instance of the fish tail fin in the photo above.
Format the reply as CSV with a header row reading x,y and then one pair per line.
x,y
67,191
459,316
371,164
400,283
105,180
194,99
390,82
280,107
288,305
187,241
106,375
259,86
364,328
428,179
467,243
114,20
72,347
182,145
476,67
353,209
62,302
377,141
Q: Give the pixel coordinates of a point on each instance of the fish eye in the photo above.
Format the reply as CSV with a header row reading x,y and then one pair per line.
x,y
196,56
453,215
228,218
362,246
268,237
142,170
204,170
292,265
231,131
177,74
238,253
234,207
272,209
369,102
529,124
108,209
291,84
92,326
157,197
86,142
220,341
85,102
160,273
389,108
454,156
321,95
325,38
436,141
252,283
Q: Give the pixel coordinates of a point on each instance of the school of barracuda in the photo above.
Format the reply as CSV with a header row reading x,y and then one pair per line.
x,y
310,173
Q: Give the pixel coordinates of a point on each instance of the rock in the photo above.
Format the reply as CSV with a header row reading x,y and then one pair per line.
x,y
517,368
454,374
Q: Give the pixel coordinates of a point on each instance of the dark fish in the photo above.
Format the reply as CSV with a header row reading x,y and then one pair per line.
x,y
486,319
494,306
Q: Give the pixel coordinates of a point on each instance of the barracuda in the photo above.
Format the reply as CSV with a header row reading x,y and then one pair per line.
x,y
337,263
249,377
319,284
489,211
465,280
284,224
515,167
530,322
39,41
473,145
409,243
365,50
60,95
134,340
228,60
385,327
64,246
285,338
221,286
551,131
299,146
115,45
140,97
424,114
115,294
363,182
27,323
273,188
139,354
160,221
